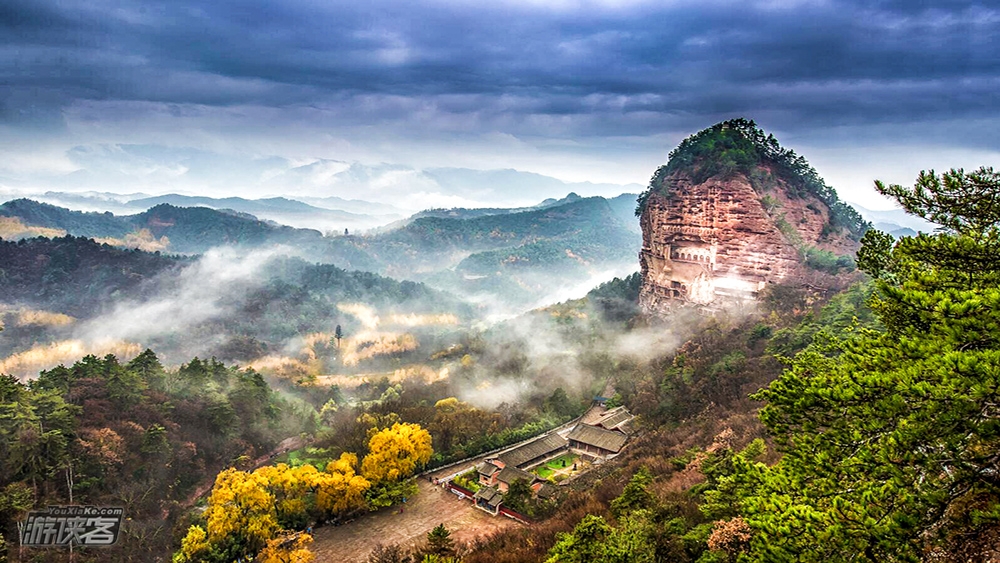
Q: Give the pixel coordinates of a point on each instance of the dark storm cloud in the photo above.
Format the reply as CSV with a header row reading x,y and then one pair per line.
x,y
562,69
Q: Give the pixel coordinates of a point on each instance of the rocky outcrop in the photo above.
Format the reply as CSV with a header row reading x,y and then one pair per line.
x,y
733,211
720,240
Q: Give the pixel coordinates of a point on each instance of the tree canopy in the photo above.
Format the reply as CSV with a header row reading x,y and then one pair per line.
x,y
889,436
739,146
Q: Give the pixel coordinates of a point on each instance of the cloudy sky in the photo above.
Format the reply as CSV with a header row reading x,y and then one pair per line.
x,y
583,91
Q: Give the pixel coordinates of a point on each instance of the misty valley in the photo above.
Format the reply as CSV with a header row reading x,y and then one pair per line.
x,y
732,364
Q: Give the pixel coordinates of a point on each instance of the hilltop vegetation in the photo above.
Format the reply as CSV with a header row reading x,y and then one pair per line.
x,y
739,146
75,275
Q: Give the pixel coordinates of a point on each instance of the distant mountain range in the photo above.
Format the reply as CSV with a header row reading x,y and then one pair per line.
x,y
323,214
622,205
896,222
513,257
166,227
325,183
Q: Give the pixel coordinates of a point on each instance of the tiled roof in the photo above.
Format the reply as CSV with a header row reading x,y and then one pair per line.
x,y
615,418
598,437
487,469
533,450
511,474
547,491
490,496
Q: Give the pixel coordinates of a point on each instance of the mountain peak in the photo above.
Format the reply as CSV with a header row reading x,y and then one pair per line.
x,y
732,211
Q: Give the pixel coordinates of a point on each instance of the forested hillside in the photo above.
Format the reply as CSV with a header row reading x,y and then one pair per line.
x,y
226,304
511,258
133,435
876,440
75,275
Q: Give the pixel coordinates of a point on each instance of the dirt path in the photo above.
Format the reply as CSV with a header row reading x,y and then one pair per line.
x,y
432,506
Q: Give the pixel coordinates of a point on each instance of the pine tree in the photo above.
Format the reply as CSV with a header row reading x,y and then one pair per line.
x,y
889,437
439,542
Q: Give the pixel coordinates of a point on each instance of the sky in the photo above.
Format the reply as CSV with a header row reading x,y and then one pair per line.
x,y
119,94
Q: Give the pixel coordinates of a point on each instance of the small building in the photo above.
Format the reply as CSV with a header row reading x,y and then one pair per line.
x,y
488,499
547,491
488,472
492,475
596,441
615,419
510,474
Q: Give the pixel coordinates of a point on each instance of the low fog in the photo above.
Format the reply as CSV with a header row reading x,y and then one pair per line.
x,y
490,353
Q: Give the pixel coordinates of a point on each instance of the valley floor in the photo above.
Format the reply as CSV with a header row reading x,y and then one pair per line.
x,y
432,506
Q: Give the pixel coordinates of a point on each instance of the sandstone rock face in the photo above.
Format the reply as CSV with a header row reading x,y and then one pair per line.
x,y
721,241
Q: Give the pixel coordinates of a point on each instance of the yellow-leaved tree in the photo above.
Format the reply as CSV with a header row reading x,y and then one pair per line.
x,y
287,548
194,546
291,488
241,512
394,453
339,489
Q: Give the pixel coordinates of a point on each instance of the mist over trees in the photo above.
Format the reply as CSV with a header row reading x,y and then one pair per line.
x,y
880,432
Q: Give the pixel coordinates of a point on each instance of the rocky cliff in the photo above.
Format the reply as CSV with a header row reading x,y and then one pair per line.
x,y
731,212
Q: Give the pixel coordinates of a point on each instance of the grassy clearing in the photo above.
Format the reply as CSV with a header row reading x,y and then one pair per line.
x,y
547,469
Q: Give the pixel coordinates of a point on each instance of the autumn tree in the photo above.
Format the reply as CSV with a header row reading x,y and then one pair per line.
x,y
395,453
889,436
339,489
291,488
456,422
241,513
287,548
194,546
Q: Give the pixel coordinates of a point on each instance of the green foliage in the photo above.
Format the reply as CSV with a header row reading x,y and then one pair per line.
x,y
844,311
584,545
826,261
636,495
618,299
888,435
468,480
593,540
389,493
520,498
739,146
761,331
439,542
560,405
875,253
116,428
